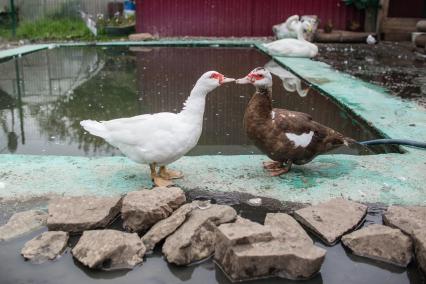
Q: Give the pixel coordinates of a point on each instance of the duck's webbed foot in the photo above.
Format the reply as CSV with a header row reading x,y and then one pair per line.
x,y
272,165
169,174
157,179
161,182
281,170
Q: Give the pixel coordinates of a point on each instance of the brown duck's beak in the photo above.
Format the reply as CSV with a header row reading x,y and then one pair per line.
x,y
245,80
227,80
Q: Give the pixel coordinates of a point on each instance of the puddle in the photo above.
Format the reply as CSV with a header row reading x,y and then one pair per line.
x,y
44,95
339,266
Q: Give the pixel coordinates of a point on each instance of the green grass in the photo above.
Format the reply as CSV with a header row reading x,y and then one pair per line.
x,y
53,29
58,29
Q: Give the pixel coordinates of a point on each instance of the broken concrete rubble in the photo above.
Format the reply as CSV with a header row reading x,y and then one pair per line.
x,y
109,249
407,219
381,243
167,226
247,250
195,239
142,209
331,219
44,247
419,238
22,223
76,214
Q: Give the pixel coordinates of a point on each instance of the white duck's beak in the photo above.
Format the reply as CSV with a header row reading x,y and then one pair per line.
x,y
227,80
245,80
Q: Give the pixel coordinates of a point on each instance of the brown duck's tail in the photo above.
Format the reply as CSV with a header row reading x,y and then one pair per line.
x,y
347,141
339,140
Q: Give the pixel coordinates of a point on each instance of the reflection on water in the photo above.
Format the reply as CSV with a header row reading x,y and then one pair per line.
x,y
44,96
291,83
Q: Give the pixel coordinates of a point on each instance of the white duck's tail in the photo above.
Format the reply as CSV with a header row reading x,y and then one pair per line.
x,y
95,128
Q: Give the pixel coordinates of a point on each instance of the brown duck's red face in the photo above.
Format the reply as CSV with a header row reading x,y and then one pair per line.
x,y
259,77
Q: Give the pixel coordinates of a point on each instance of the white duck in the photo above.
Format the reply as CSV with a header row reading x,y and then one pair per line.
x,y
161,138
291,47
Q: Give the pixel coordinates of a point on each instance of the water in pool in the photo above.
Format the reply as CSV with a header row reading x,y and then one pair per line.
x,y
44,96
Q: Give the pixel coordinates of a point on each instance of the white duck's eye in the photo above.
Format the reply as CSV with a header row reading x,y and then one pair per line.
x,y
214,76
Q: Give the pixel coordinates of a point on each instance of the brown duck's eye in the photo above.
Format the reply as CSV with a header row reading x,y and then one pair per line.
x,y
257,76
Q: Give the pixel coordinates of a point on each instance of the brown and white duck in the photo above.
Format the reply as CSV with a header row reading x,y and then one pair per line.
x,y
285,136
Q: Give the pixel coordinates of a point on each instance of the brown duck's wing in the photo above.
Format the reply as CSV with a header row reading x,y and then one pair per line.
x,y
323,139
291,113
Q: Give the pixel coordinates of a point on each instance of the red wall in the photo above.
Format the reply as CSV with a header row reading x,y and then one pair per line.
x,y
233,17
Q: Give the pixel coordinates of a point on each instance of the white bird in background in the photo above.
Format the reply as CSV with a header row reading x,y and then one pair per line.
x,y
286,29
291,47
371,39
161,138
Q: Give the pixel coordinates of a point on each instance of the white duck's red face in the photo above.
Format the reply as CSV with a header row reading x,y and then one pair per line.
x,y
213,79
259,77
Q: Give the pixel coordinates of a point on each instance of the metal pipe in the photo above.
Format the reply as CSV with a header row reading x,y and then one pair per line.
x,y
396,142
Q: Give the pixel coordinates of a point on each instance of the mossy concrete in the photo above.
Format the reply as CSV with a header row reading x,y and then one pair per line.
x,y
385,178
380,178
4,54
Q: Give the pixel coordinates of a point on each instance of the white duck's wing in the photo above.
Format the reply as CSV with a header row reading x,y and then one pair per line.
x,y
291,47
285,45
138,130
120,122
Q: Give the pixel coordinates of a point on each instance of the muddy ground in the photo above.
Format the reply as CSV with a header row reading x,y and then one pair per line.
x,y
393,65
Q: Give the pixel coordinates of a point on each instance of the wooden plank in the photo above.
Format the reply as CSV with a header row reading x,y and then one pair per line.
x,y
403,25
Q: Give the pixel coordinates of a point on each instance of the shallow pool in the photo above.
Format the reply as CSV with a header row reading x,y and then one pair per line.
x,y
44,96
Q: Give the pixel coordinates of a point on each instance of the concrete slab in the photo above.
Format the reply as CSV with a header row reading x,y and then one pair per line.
x,y
390,178
23,50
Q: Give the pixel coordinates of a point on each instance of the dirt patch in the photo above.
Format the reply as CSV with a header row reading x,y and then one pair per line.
x,y
393,65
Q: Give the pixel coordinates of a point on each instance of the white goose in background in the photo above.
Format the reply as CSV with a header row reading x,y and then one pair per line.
x,y
290,82
161,138
286,29
291,47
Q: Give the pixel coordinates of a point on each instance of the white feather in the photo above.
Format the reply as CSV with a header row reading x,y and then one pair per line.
x,y
301,140
95,128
